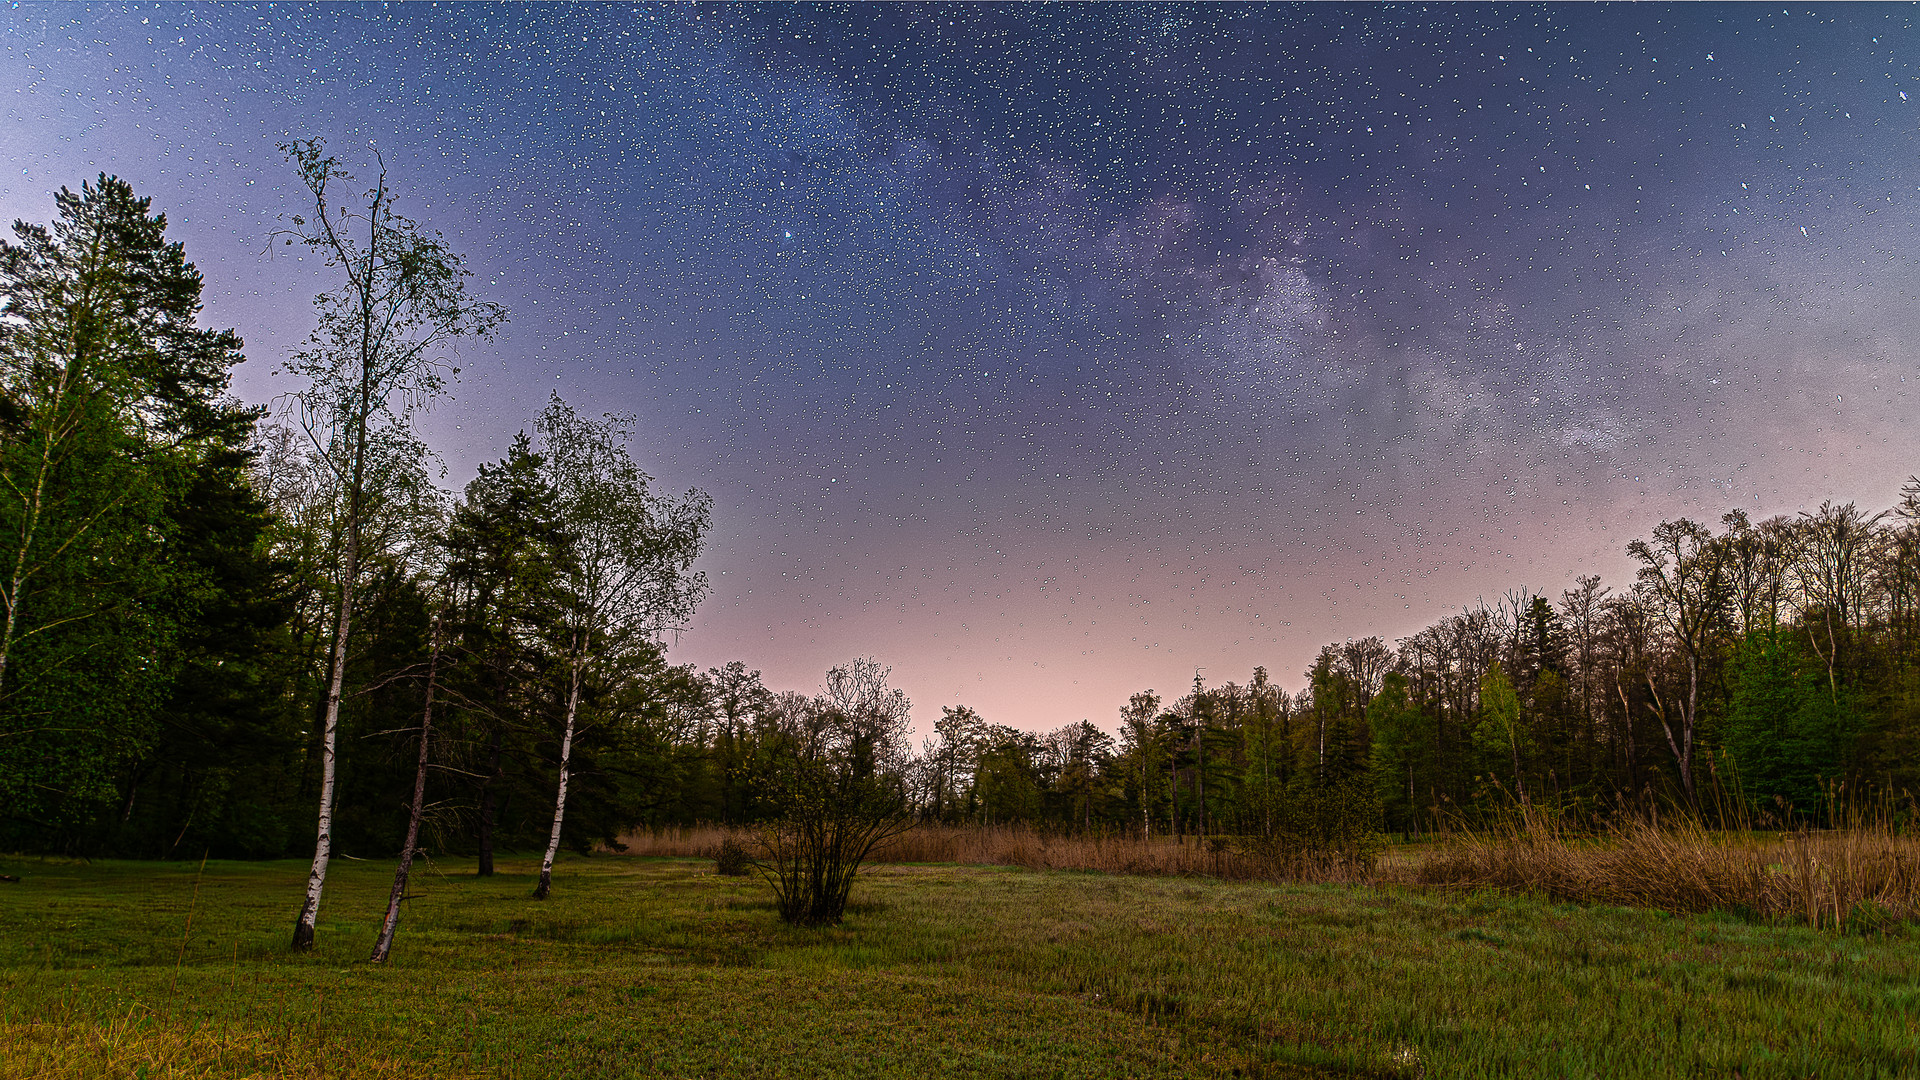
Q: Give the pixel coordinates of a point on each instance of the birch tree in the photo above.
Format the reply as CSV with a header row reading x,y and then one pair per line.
x,y
377,357
631,567
416,810
1140,739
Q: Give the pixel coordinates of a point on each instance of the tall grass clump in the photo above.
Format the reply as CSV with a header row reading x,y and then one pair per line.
x,y
1862,873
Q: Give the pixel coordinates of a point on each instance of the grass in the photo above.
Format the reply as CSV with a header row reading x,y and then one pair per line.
x,y
659,967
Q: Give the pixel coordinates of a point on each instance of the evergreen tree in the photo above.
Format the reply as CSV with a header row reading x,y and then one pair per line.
x,y
117,450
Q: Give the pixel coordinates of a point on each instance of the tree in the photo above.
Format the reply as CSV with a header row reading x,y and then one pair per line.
x,y
629,571
1682,572
842,775
1499,728
1394,724
1006,776
1837,545
383,945
739,700
1140,739
1268,749
112,406
375,358
508,556
1082,753
951,758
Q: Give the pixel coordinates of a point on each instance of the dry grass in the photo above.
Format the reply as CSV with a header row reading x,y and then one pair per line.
x,y
1033,849
1865,876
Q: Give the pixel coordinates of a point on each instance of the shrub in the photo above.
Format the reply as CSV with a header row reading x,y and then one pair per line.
x,y
839,766
731,858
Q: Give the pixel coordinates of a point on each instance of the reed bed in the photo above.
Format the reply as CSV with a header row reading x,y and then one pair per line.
x,y
1033,849
1863,876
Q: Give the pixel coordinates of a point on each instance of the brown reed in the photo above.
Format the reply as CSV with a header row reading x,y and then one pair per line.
x,y
1033,849
1863,874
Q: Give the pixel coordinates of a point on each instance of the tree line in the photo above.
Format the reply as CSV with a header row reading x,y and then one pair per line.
x,y
1747,669
257,633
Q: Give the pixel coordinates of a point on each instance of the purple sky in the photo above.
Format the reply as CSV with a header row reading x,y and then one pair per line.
x,y
1047,354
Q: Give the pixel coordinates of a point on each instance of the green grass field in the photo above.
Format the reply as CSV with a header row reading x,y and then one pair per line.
x,y
657,967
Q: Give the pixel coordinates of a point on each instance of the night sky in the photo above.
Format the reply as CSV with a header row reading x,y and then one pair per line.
x,y
1049,353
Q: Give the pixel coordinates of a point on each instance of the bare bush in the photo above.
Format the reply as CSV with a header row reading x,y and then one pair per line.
x,y
839,768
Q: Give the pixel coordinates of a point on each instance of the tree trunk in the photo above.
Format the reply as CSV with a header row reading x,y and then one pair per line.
x,y
34,506
385,944
1146,804
1200,777
349,578
329,741
487,803
19,577
560,799
1519,784
1173,792
1687,725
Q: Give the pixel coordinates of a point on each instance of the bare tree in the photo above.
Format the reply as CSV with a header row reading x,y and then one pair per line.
x,y
377,356
1581,611
1682,571
1899,569
1837,549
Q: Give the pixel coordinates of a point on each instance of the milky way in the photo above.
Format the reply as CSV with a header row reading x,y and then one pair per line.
x,y
1050,353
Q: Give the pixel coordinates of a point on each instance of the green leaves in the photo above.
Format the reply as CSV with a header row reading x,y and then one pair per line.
x,y
114,409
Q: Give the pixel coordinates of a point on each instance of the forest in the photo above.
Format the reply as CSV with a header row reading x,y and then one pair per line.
x,y
220,618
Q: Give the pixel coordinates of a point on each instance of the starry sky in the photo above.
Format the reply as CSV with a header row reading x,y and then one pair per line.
x,y
1049,353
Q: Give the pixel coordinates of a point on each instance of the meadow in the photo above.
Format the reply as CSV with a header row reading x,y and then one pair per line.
x,y
656,966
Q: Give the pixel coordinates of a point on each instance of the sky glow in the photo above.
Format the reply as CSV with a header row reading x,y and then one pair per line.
x,y
1049,353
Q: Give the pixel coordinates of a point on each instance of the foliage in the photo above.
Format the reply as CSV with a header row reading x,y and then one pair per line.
x,y
1330,833
374,359
120,478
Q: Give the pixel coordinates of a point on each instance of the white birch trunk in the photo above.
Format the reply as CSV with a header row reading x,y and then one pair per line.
x,y
329,740
560,797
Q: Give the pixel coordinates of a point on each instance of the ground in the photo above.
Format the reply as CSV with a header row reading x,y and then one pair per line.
x,y
658,967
